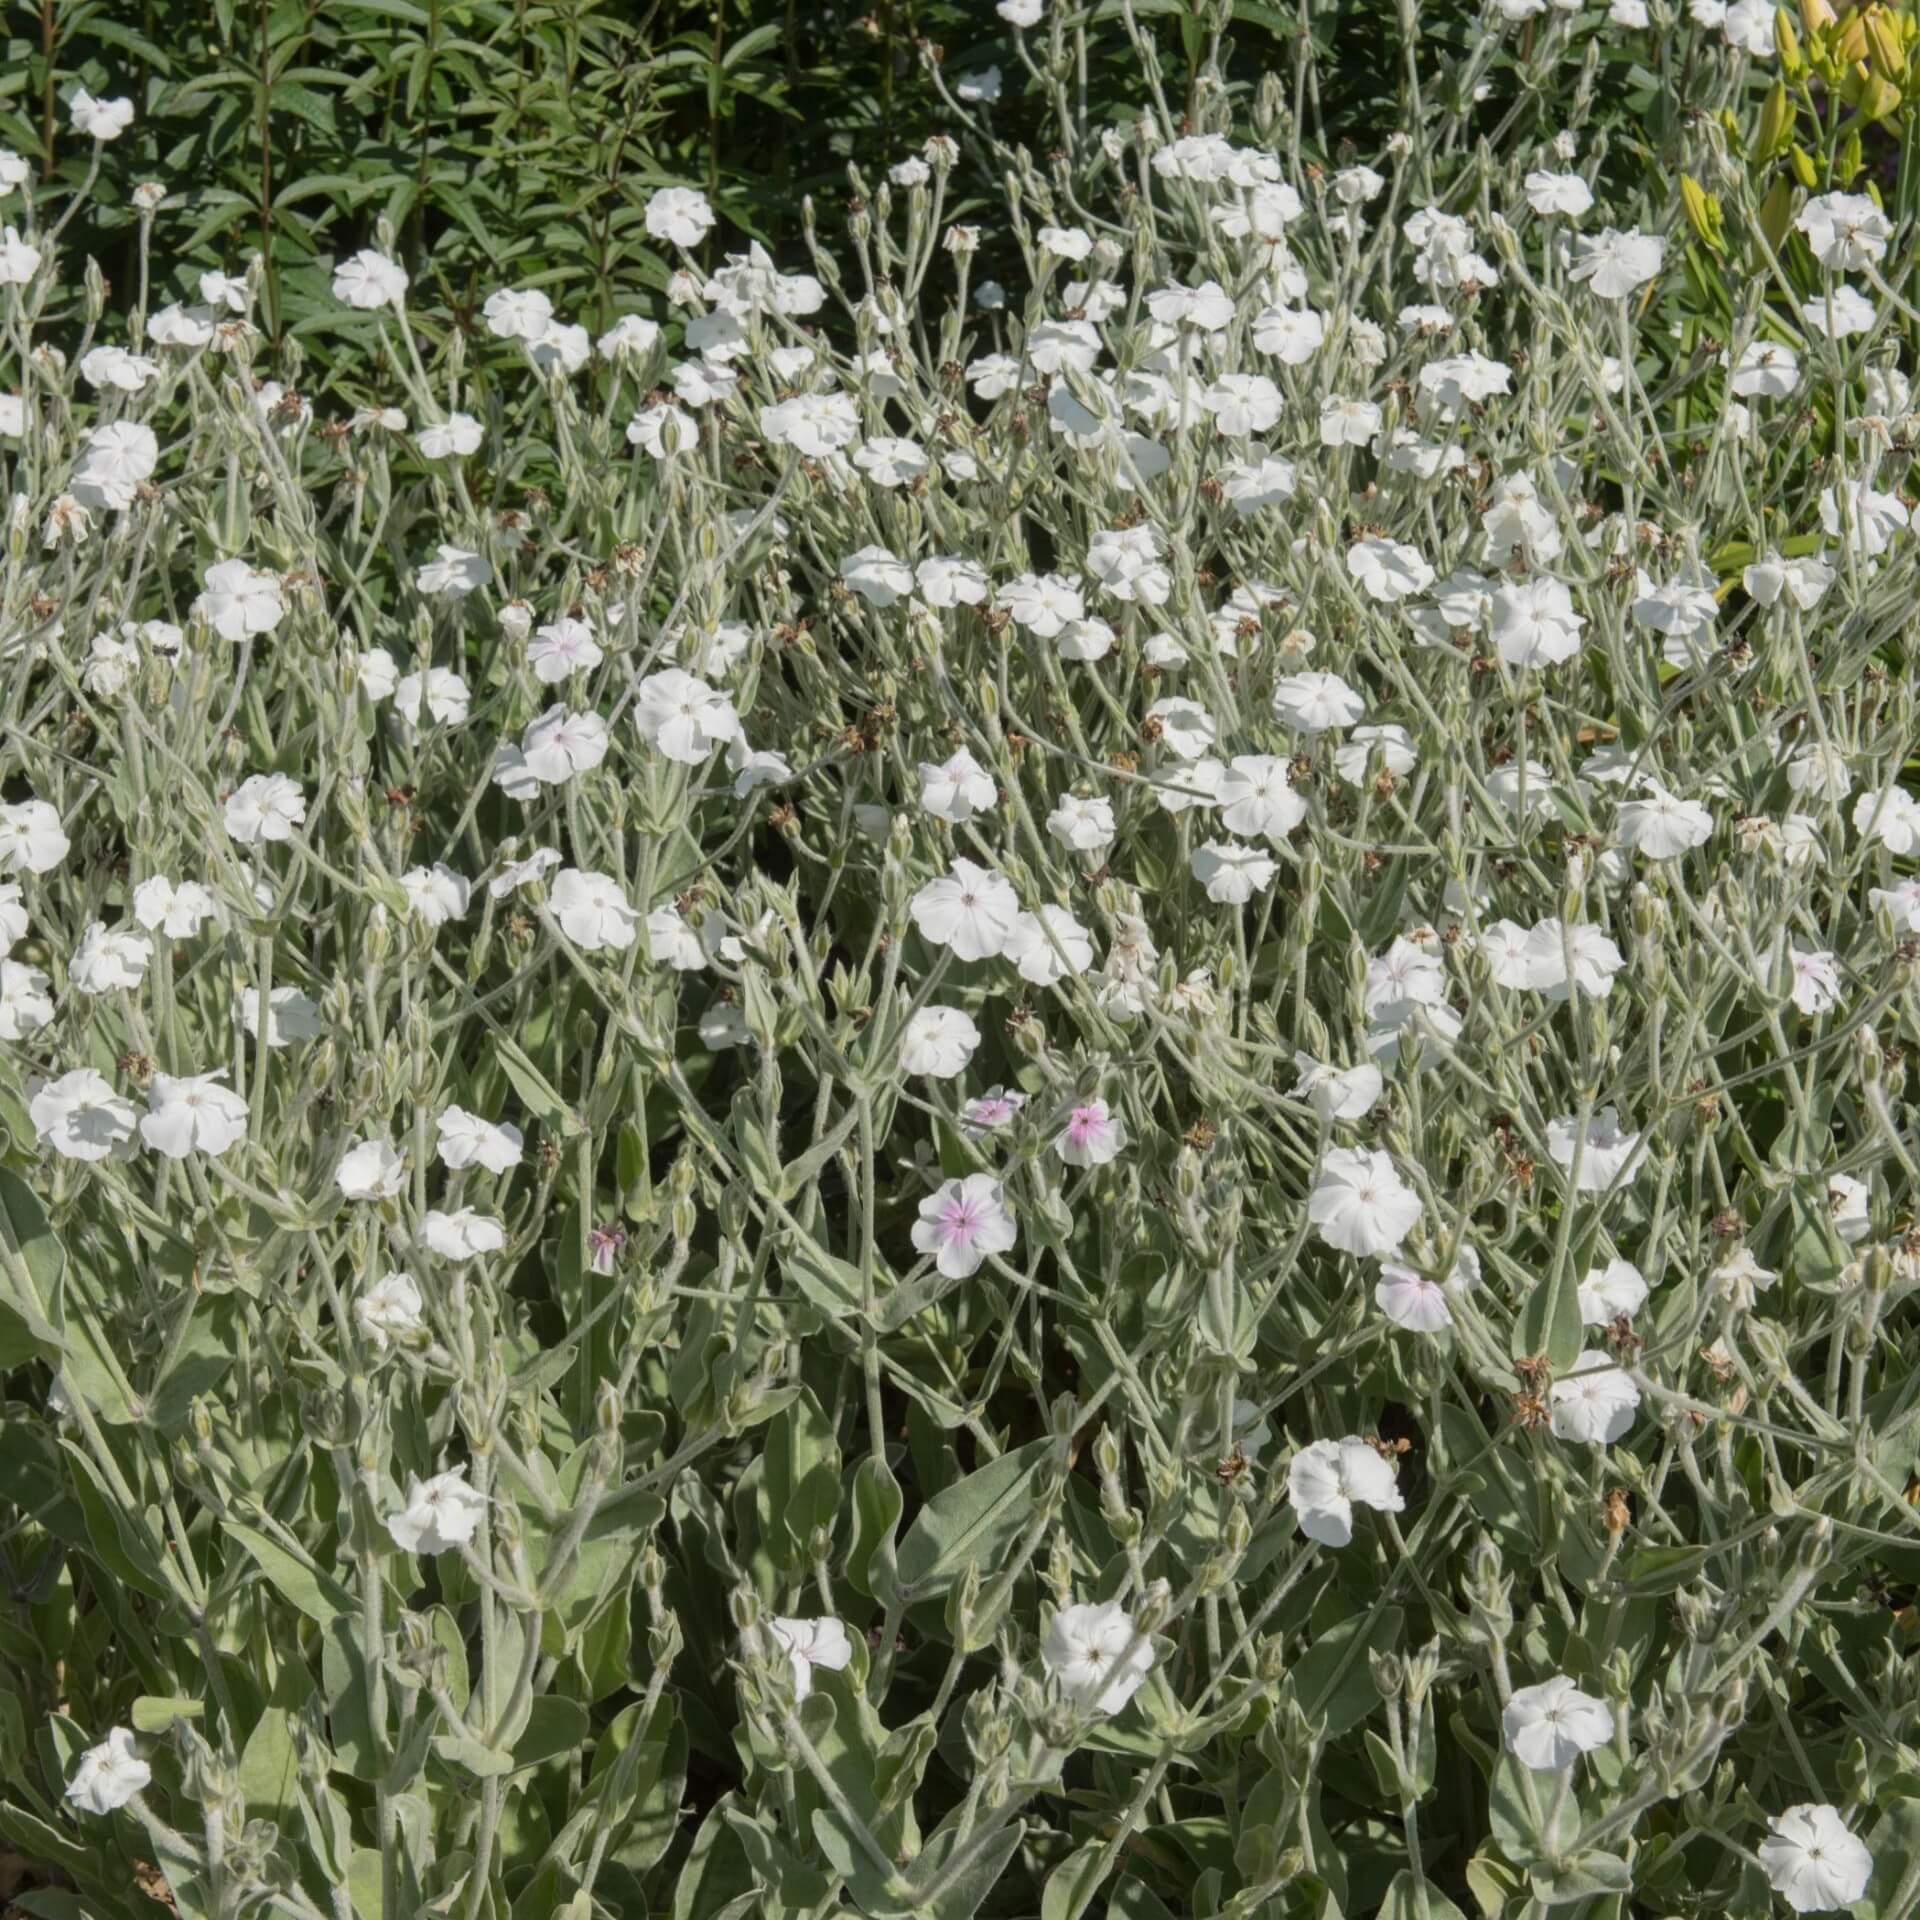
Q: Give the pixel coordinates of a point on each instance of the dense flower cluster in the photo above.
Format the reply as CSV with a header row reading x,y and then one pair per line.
x,y
1127,1023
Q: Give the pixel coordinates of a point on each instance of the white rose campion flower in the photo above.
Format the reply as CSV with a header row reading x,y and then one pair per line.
x,y
81,1117
1315,702
970,910
109,960
560,744
100,120
681,215
1091,1136
1813,1862
807,1644
1534,623
1608,1151
193,1114
32,839
520,313
592,911
118,459
390,1310
1594,1403
265,808
1549,1726
177,911
938,1042
957,789
466,1140
1096,1656
439,692
440,1515
108,1776
1327,1479
1338,1093
1232,873
1614,264
1044,604
562,648
964,1222
1411,1300
370,1170
1359,1203
461,1235
1083,822
239,601
26,1004
436,894
370,281
1388,570
291,1016
453,438
682,717
1610,1291
1844,230
1048,946
19,260
456,571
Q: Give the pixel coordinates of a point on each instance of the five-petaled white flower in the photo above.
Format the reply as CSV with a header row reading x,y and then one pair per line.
x,y
1096,1655
1549,1726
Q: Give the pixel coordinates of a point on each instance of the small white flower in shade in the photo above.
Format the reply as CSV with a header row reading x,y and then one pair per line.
x,y
193,1114
880,578
1337,1093
291,1016
1534,624
462,1235
454,570
466,1140
109,960
945,581
371,1170
19,262
1044,604
1847,1206
1510,954
957,789
178,912
1607,1153
1291,335
1864,518
1388,570
1890,815
1803,581
1549,1726
1663,826
1595,1402
1329,1478
1614,264
662,431
369,281
109,1775
1096,1656
1387,744
964,1222
1313,702
990,1111
1844,230
561,649
1820,770
682,215
517,313
1185,728
592,910
1347,422
1359,1203
1608,1292
1090,1136
117,460
13,918
453,438
1409,971
101,120
970,910
1740,1277
808,1644
1257,798
674,942
436,894
265,807
32,839
682,717
1127,562
1231,872
1816,979
1594,959
1765,370
560,744
1411,1300
1083,822
238,601
938,1042
440,1514
114,366
390,1309
1562,193
1813,1862
1049,945
25,1002
81,1117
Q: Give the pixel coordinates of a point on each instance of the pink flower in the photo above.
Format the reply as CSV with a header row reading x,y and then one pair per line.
x,y
994,1109
603,1247
1091,1137
963,1223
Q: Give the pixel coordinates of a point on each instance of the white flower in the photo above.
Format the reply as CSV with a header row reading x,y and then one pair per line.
x,y
454,570
466,1140
239,601
1553,946
1847,1206
1313,702
462,1235
679,214
560,744
1128,564
119,458
440,1514
1594,1403
369,280
436,894
265,807
1359,1203
1096,1656
1891,815
440,691
948,581
1614,264
109,1775
458,435
1608,1292
99,120
891,462
291,1016
1865,518
938,1042
1047,946
25,1003
1411,1300
592,910
957,789
1044,604
1534,623
1551,193
1844,230
1607,1153
970,910
1551,1725
1257,798
561,649
1664,825
1231,872
1388,570
1327,1479
1184,727
160,906
80,1116
390,1309
964,1222
1337,1093
1765,370
193,1114
682,717
808,1644
1812,1861
1346,422
32,839
19,262
1084,823
109,960
370,1170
